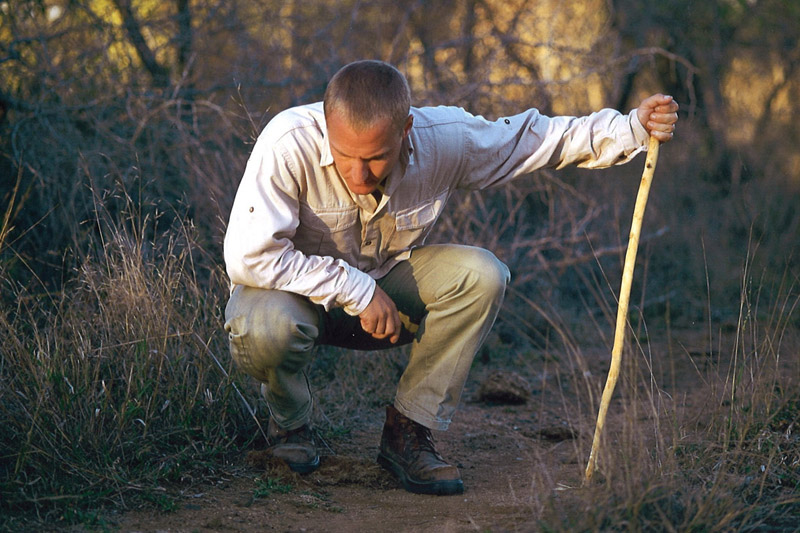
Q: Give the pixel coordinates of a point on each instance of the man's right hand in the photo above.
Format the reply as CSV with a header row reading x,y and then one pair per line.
x,y
658,114
380,318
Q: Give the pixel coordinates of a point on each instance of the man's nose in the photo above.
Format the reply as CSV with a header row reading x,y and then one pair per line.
x,y
359,172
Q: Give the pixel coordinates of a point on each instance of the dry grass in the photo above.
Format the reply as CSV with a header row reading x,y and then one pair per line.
x,y
111,393
115,380
110,389
706,440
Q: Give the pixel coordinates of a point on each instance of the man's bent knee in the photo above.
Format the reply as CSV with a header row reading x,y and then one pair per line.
x,y
493,273
268,329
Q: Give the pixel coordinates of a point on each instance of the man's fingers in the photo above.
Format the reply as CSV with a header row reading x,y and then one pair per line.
x,y
660,125
389,327
669,107
665,117
663,129
376,328
380,328
662,119
658,114
367,325
380,319
661,136
396,327
661,100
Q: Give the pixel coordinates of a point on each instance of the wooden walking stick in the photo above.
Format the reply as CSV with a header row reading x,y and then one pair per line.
x,y
624,298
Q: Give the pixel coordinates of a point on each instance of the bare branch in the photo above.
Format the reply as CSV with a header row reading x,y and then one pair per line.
x,y
159,73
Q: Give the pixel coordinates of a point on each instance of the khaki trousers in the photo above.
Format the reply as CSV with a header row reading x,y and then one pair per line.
x,y
448,297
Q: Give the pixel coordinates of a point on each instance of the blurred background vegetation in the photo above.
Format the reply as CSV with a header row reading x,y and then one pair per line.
x,y
164,99
125,126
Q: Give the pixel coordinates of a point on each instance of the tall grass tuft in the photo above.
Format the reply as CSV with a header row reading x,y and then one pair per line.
x,y
110,389
709,444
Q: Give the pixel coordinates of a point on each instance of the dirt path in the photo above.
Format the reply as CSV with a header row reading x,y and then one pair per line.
x,y
514,460
498,448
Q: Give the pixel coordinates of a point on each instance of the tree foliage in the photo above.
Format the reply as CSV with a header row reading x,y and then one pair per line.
x,y
166,97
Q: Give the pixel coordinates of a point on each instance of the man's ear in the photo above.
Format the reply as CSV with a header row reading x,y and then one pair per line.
x,y
407,127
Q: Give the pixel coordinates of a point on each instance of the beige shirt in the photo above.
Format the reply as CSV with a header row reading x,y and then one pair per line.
x,y
295,226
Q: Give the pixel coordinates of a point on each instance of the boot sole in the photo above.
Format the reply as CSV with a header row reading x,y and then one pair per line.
x,y
438,488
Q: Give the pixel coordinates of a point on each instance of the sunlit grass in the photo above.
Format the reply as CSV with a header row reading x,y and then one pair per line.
x,y
110,387
119,387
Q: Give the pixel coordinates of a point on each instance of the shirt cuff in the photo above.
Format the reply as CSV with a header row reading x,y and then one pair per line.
x,y
637,129
359,292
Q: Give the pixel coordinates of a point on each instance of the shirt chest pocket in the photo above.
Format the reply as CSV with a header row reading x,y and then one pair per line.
x,y
330,231
412,225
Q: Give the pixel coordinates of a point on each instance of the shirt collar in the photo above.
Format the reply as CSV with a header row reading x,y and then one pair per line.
x,y
406,152
396,176
325,156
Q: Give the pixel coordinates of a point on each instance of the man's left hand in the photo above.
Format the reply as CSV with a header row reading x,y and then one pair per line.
x,y
380,318
658,114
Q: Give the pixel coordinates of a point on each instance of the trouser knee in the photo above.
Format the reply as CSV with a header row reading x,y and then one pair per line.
x,y
493,275
270,330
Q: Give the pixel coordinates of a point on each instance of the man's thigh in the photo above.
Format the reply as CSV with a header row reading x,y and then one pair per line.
x,y
434,272
431,269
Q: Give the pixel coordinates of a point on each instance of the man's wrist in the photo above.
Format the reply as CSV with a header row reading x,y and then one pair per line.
x,y
362,289
640,133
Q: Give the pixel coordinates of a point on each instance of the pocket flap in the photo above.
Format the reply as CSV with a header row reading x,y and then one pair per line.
x,y
329,219
422,215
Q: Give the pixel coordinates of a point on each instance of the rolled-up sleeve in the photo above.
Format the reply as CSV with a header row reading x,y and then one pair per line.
x,y
258,246
501,150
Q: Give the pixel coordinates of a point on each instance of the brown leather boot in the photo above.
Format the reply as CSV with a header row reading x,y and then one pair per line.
x,y
296,447
407,450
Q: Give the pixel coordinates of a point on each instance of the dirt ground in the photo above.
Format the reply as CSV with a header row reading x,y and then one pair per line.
x,y
512,458
495,448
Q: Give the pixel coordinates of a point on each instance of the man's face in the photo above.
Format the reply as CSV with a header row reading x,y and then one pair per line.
x,y
364,157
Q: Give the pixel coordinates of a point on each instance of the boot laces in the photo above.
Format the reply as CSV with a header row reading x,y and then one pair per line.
x,y
420,437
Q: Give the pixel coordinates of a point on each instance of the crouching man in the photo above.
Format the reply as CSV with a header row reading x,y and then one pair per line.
x,y
326,245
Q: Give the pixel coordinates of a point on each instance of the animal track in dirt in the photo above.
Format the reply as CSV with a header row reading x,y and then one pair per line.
x,y
334,470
